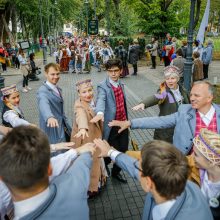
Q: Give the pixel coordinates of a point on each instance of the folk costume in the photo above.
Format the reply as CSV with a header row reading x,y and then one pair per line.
x,y
84,112
168,101
64,60
12,116
198,70
111,102
167,52
3,58
87,61
185,119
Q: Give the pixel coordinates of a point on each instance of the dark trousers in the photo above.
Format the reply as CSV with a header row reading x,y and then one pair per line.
x,y
17,63
4,66
135,68
166,61
153,60
119,142
205,70
25,81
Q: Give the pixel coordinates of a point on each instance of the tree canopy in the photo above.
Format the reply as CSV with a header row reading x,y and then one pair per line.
x,y
118,17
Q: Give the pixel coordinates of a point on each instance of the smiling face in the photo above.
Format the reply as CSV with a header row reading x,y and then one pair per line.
x,y
172,81
114,73
52,75
86,93
13,99
200,97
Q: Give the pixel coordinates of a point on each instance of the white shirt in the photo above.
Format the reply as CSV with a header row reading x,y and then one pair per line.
x,y
60,165
177,94
208,188
22,59
208,116
115,84
27,206
160,211
12,117
53,87
68,52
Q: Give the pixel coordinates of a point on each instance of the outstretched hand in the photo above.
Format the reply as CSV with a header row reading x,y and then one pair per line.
x,y
138,107
82,132
62,146
52,122
97,118
89,147
103,146
122,124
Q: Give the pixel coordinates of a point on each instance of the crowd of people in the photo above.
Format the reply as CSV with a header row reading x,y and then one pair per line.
x,y
171,55
50,172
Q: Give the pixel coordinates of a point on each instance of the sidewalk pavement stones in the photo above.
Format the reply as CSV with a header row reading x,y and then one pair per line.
x,y
116,201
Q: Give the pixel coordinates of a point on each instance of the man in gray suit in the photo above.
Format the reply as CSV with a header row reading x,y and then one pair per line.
x,y
188,121
163,172
110,105
25,169
51,110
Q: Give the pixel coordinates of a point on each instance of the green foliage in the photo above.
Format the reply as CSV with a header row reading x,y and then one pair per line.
x,y
142,44
115,40
127,41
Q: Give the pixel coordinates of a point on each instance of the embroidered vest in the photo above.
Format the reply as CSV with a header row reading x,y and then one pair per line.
x,y
5,123
120,104
200,124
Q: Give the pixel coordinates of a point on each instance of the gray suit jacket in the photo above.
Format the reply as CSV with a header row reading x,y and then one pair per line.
x,y
50,104
184,121
68,194
191,204
106,103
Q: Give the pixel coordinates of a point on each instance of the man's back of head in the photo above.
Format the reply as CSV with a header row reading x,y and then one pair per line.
x,y
24,159
166,166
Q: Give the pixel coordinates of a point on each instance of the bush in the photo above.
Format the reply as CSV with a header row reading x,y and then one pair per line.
x,y
142,44
114,41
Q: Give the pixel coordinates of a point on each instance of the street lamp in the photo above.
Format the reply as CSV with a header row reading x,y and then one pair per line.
x,y
189,62
42,34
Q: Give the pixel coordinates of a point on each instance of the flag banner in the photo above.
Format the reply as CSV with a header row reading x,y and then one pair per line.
x,y
204,23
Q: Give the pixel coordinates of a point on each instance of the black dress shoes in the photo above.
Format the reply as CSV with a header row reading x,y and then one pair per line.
x,y
119,178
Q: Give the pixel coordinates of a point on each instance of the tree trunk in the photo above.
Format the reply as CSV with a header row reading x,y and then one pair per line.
x,y
22,25
14,21
10,36
1,28
107,17
117,16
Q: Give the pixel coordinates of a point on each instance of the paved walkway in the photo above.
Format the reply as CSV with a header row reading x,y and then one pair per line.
x,y
117,201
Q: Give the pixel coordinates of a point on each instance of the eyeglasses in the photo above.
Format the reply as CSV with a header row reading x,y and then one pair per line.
x,y
136,165
113,70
